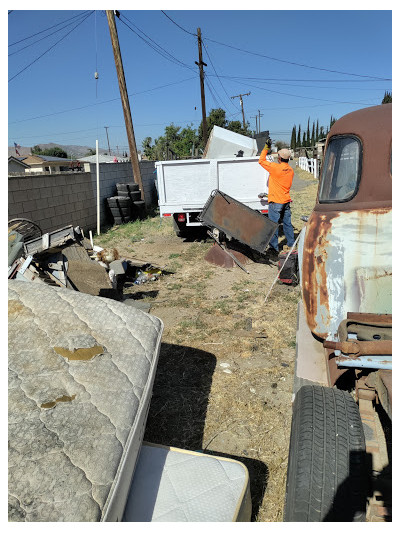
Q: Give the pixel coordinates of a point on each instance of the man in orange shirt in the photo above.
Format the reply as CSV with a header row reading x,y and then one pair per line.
x,y
279,183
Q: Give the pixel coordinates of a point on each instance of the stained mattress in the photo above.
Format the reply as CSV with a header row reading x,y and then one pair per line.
x,y
81,370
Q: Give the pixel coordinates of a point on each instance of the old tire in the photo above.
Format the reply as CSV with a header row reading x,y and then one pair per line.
x,y
326,477
127,187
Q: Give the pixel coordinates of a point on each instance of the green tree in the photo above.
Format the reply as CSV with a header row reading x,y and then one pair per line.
x,y
147,149
237,127
308,132
304,139
281,144
387,99
317,131
90,152
313,134
298,142
52,152
293,138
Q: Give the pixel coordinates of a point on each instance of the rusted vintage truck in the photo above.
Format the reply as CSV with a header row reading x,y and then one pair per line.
x,y
339,465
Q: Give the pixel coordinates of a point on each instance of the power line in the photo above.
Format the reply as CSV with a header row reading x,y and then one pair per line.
x,y
305,97
183,29
104,102
50,28
51,47
164,53
307,79
212,64
42,38
293,63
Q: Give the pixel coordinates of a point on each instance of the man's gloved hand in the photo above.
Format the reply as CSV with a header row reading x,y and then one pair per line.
x,y
263,195
268,145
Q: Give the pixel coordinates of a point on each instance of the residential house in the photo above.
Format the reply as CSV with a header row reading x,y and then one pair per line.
x,y
46,163
17,164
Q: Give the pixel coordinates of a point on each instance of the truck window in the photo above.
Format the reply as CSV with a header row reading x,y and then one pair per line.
x,y
342,169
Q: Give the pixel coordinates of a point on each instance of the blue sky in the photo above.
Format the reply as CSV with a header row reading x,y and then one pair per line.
x,y
57,99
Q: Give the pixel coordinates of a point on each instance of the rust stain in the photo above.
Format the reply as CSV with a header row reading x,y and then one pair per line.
x,y
15,308
64,398
79,354
315,293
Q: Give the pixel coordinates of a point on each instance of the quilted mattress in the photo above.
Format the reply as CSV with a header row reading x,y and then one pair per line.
x,y
81,371
173,485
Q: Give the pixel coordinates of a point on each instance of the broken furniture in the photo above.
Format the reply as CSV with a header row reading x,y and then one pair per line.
x,y
230,219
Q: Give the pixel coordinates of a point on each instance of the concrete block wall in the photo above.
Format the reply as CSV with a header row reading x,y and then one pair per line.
x,y
57,200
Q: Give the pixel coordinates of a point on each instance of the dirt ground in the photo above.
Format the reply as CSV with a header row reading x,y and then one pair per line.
x,y
225,373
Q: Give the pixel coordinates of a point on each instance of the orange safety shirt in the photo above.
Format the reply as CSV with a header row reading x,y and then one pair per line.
x,y
280,179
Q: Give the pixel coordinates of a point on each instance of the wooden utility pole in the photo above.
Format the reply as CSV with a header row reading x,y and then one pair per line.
x,y
125,101
241,103
256,117
200,64
108,142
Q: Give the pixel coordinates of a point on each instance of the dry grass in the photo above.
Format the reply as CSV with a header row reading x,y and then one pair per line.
x,y
224,378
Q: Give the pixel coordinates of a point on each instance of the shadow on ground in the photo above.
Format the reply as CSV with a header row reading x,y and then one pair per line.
x,y
179,406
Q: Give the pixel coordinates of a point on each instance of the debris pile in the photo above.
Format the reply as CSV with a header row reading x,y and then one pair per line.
x,y
127,205
66,258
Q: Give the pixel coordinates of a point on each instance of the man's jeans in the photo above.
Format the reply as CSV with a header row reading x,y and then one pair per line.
x,y
277,212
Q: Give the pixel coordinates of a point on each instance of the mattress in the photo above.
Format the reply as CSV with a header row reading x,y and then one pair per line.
x,y
173,485
81,371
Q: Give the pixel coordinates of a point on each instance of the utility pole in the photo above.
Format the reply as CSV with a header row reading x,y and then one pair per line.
x,y
108,142
256,117
125,100
259,121
241,103
200,64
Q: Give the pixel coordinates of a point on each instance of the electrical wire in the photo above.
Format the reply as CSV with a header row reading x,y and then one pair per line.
x,y
306,97
157,48
261,80
104,102
42,38
307,79
183,29
50,28
294,63
48,50
219,79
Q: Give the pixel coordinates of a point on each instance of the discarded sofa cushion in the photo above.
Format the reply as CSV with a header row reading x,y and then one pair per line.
x,y
81,372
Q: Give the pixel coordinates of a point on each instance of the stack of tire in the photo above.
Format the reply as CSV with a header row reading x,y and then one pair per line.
x,y
127,205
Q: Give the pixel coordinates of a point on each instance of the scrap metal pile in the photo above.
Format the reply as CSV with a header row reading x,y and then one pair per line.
x,y
66,258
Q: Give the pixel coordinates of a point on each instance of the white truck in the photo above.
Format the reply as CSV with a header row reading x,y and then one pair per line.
x,y
185,186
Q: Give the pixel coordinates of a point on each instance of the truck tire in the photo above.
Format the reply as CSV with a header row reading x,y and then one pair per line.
x,y
119,201
326,476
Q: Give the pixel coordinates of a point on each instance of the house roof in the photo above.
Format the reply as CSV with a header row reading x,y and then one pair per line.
x,y
19,160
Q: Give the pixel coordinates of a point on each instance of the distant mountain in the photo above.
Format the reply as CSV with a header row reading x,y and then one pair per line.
x,y
74,151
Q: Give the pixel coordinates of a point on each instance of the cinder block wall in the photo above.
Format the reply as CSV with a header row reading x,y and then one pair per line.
x,y
57,200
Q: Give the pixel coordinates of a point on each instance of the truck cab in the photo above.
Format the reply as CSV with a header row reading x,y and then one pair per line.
x,y
340,447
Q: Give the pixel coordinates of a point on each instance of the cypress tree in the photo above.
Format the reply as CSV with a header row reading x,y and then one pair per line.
x,y
293,139
304,139
308,132
313,134
317,131
298,143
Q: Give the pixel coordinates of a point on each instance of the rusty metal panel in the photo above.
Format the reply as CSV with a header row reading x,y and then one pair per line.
x,y
238,221
346,267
